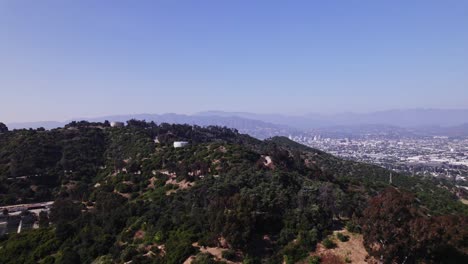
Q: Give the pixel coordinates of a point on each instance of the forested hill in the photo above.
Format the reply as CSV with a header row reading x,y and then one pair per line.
x,y
126,194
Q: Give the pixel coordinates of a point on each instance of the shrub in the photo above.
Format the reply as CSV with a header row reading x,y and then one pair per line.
x,y
328,243
179,246
123,188
250,260
309,239
208,240
314,260
342,238
204,258
293,253
128,253
347,259
159,237
353,227
229,254
48,260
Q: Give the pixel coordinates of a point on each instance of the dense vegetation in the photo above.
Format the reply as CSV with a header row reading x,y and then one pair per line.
x,y
397,229
126,194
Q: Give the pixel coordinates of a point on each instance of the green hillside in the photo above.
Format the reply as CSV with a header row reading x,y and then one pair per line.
x,y
126,194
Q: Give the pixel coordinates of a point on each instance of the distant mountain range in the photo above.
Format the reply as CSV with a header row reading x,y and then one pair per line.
x,y
398,122
256,128
402,118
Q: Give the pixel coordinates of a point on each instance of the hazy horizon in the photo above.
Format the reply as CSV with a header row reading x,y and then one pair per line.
x,y
65,60
217,112
403,118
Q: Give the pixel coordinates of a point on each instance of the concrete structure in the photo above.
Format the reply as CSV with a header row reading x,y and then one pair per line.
x,y
180,144
25,207
3,228
22,217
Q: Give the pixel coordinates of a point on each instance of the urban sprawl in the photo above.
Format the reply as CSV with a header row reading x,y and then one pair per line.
x,y
437,156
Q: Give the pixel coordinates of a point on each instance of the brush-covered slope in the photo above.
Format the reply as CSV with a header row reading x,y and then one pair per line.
x,y
125,194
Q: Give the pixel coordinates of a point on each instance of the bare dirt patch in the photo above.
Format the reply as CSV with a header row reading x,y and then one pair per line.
x,y
151,184
217,252
352,250
125,195
140,234
182,185
464,201
222,149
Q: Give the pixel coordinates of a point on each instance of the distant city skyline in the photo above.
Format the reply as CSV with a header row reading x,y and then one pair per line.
x,y
61,60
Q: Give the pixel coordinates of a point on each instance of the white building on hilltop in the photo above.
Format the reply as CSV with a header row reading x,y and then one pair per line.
x,y
117,124
180,144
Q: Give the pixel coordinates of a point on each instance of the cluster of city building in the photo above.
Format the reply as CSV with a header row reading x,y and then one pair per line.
x,y
430,156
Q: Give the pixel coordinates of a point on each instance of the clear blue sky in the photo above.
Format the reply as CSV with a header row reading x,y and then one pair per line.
x,y
63,59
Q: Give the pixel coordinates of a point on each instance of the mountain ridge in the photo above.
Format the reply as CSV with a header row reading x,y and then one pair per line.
x,y
405,122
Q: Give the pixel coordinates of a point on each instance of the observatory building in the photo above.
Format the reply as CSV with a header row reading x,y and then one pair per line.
x,y
117,124
180,144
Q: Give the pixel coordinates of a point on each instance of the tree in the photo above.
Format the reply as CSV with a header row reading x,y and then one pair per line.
x,y
385,225
3,128
396,229
68,256
65,211
179,247
43,219
137,123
